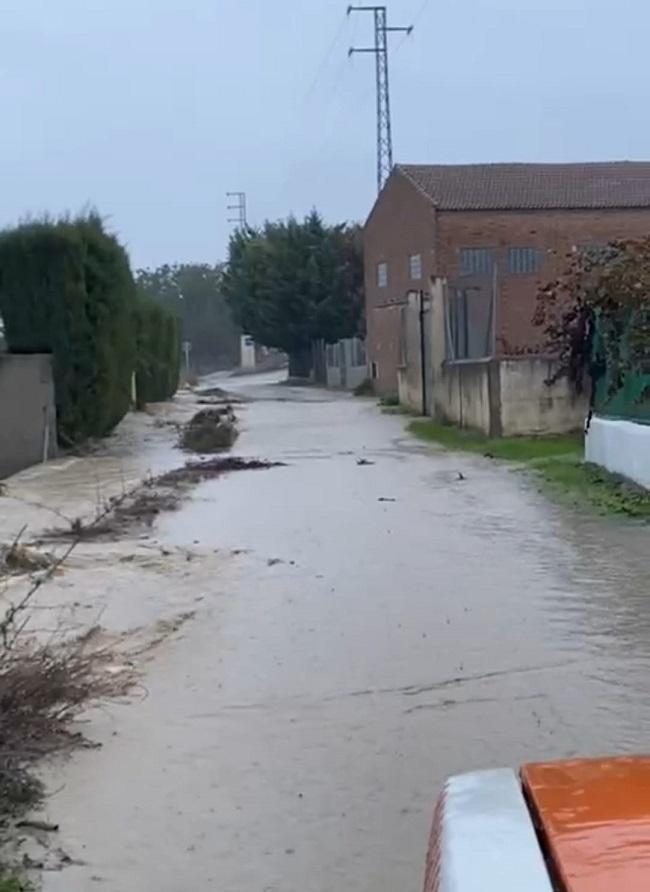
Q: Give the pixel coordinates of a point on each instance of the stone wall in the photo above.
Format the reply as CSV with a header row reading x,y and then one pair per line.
x,y
27,411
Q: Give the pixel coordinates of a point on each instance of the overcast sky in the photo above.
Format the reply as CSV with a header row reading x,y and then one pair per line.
x,y
151,110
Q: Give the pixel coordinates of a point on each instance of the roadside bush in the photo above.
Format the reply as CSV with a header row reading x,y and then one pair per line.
x,y
158,349
66,288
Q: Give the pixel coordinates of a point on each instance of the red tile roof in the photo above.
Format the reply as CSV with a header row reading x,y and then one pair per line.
x,y
460,187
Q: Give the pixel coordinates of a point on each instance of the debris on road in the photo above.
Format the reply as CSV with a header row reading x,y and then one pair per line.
x,y
218,394
197,471
142,504
17,558
210,430
362,462
138,506
43,826
385,499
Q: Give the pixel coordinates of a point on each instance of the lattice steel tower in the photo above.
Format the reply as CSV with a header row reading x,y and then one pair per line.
x,y
380,50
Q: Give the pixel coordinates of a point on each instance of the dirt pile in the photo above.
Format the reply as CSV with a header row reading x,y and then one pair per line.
x,y
210,430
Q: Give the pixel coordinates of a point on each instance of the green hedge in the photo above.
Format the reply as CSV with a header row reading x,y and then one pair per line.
x,y
158,347
66,288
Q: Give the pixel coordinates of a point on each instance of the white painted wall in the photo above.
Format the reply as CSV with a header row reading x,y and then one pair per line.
x,y
622,447
247,359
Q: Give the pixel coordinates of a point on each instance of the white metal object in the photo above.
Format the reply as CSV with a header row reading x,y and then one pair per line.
x,y
483,839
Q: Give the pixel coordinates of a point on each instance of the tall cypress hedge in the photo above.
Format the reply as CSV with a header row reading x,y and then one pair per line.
x,y
66,288
158,347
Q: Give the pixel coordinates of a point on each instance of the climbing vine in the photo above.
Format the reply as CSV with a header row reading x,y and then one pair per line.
x,y
596,316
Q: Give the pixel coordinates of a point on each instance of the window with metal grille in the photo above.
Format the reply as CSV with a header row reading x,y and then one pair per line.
x,y
523,261
415,266
382,275
476,261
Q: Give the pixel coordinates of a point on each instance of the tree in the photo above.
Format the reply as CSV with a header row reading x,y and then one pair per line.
x,y
194,292
290,283
66,288
597,315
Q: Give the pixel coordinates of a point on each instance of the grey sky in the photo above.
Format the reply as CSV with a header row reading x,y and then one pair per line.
x,y
152,109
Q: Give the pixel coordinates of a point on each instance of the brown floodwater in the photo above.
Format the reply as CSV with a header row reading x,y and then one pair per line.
x,y
346,655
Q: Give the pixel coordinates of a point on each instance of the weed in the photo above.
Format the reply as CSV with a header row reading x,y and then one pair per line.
x,y
558,463
521,449
13,883
364,389
391,400
581,483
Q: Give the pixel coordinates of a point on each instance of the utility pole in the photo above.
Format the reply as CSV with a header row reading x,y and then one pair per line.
x,y
239,206
380,50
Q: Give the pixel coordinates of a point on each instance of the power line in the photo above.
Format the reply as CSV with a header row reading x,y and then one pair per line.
x,y
418,15
239,207
380,52
328,54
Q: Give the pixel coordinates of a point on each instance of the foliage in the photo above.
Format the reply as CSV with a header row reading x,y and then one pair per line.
x,y
520,449
12,883
582,484
194,293
597,315
158,351
66,288
555,461
290,283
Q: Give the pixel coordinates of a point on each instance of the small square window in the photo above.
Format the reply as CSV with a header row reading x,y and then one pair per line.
x,y
476,261
382,275
523,261
415,266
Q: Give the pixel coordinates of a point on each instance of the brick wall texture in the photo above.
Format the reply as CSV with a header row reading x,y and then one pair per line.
x,y
404,222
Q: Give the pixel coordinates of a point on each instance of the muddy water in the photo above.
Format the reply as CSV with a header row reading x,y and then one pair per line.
x,y
346,655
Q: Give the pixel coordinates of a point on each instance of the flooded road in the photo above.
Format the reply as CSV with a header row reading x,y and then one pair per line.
x,y
360,632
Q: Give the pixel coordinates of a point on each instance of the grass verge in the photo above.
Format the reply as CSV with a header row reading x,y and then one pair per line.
x,y
12,883
558,463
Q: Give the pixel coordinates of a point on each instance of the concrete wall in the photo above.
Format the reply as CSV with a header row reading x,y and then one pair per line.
x,y
507,397
409,370
462,395
622,447
531,406
27,413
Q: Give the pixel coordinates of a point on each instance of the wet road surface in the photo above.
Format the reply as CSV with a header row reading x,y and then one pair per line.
x,y
346,655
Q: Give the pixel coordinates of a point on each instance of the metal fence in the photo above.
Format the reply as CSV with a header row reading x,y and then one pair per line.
x,y
620,393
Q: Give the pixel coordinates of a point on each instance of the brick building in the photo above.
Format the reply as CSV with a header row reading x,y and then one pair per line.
x,y
495,233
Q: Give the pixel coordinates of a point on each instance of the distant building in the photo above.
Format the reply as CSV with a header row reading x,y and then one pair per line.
x,y
493,233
